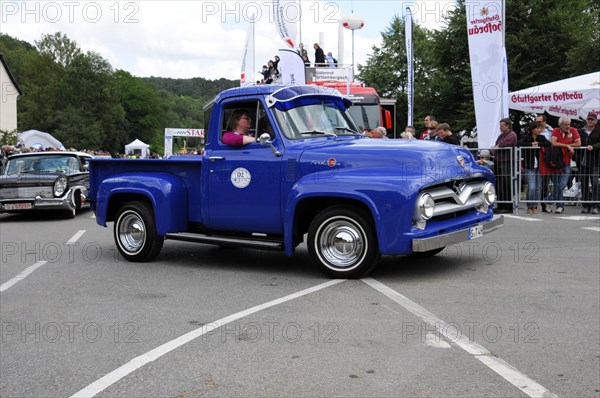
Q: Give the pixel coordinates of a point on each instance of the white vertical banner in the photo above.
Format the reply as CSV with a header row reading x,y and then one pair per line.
x,y
409,60
504,83
291,68
485,27
248,71
287,15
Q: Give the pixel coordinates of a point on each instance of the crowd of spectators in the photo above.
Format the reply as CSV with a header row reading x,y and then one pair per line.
x,y
553,161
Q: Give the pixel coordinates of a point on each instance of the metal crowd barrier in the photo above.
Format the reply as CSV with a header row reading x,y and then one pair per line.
x,y
521,181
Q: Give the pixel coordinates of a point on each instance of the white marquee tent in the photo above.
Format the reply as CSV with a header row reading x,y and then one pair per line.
x,y
574,97
39,139
139,148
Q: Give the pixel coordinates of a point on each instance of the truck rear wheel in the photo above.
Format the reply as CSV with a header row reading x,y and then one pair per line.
x,y
343,243
135,232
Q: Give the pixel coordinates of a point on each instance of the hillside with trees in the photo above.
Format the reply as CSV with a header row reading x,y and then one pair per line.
x,y
81,100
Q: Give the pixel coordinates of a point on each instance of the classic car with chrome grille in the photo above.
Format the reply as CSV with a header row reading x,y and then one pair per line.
x,y
309,175
45,181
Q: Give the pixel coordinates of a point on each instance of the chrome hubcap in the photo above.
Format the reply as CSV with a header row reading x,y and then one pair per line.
x,y
132,232
342,244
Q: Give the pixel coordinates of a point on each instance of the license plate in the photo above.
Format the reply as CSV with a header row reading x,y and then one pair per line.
x,y
17,206
475,232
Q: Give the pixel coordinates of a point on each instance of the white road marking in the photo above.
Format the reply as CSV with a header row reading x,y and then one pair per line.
x,y
434,340
580,218
504,369
136,363
597,229
521,218
93,215
22,275
76,237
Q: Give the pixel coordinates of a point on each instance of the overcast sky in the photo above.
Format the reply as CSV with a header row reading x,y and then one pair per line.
x,y
184,39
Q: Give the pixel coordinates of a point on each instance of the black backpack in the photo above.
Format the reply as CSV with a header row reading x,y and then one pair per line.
x,y
553,157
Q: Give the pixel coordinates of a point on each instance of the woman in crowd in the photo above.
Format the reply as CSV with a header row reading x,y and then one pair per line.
x,y
531,158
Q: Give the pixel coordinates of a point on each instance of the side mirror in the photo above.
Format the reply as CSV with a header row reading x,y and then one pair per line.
x,y
265,139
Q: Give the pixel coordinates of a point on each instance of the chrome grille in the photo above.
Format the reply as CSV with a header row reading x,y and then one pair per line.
x,y
26,192
457,196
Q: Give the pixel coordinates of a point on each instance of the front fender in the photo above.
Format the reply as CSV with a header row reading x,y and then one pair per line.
x,y
166,192
384,196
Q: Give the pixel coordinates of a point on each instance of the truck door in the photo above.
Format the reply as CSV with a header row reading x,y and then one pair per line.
x,y
245,182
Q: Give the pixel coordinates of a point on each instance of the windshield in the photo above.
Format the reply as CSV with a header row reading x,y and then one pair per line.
x,y
365,116
315,120
42,164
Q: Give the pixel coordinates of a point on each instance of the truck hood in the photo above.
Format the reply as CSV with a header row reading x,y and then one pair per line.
x,y
433,161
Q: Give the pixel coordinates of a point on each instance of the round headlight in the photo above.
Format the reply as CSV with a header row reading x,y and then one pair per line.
x,y
426,206
60,185
489,193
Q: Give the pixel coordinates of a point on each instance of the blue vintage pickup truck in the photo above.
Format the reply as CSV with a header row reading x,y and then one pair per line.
x,y
310,174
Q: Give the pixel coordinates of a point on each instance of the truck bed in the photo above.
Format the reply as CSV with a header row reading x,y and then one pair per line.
x,y
186,168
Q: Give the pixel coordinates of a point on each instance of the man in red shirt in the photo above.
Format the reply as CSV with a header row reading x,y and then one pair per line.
x,y
565,137
429,131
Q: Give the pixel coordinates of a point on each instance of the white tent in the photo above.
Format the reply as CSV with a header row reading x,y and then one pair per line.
x,y
40,140
574,97
137,147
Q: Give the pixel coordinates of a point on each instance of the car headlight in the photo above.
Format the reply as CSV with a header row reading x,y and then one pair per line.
x,y
426,206
489,193
60,186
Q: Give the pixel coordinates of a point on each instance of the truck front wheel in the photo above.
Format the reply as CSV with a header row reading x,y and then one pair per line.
x,y
343,243
135,232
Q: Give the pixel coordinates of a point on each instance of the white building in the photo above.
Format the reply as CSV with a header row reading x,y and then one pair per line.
x,y
9,93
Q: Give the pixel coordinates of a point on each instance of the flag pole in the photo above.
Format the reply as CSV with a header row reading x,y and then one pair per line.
x,y
299,23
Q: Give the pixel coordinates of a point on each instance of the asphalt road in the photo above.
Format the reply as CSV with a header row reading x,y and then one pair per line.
x,y
512,314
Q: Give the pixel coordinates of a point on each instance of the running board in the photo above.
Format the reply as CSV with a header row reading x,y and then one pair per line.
x,y
227,241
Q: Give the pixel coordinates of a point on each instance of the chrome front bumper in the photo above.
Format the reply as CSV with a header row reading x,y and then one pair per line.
x,y
440,241
65,202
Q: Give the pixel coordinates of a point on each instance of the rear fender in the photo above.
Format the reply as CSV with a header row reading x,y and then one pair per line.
x,y
167,194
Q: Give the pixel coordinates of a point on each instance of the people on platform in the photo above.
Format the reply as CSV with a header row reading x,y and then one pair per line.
x,y
319,55
306,60
331,62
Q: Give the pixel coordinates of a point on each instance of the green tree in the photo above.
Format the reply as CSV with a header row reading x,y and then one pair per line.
x,y
145,110
59,48
8,137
